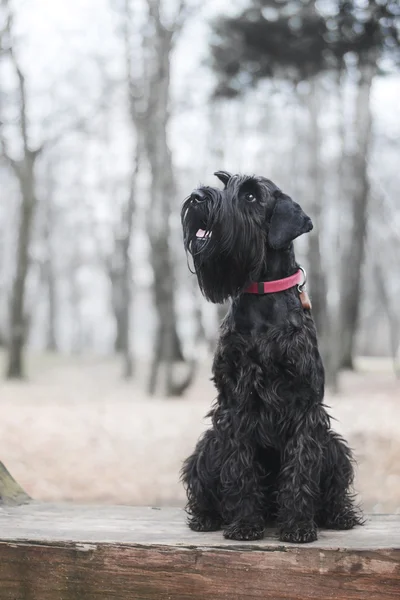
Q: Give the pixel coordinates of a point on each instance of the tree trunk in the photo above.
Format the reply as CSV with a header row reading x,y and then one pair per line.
x,y
51,341
315,194
126,279
119,335
167,349
353,256
119,323
332,366
200,332
120,273
393,320
122,308
116,303
25,172
3,285
75,300
48,269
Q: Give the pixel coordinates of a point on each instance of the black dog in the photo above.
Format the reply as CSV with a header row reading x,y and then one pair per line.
x,y
270,455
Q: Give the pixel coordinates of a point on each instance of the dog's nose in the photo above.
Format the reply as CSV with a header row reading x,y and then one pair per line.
x,y
198,196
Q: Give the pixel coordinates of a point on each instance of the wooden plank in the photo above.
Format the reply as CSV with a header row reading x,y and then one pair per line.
x,y
87,553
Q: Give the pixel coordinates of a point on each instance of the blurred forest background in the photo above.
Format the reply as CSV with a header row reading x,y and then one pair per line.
x,y
111,112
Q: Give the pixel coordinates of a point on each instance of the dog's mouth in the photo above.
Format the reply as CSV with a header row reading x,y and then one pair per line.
x,y
203,234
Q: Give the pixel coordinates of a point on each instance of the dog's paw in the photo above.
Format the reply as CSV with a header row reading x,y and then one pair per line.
x,y
204,523
299,535
244,531
343,521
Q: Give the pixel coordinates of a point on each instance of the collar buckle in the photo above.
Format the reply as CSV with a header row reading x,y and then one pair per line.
x,y
301,286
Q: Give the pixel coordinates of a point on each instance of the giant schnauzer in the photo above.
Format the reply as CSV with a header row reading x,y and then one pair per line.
x,y
270,455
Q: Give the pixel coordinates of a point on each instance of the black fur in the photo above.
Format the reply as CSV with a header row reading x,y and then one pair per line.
x,y
270,455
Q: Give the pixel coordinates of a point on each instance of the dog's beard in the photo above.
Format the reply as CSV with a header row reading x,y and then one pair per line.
x,y
228,249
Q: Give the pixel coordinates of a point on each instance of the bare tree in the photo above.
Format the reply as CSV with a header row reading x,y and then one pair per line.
x,y
120,272
340,226
370,31
3,283
24,170
383,256
392,318
117,263
123,241
116,260
48,268
150,109
354,252
315,195
216,157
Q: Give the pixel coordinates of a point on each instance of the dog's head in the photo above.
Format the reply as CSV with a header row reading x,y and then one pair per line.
x,y
228,232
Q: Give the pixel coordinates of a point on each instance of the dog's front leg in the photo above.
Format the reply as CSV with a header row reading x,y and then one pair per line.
x,y
200,475
242,499
299,488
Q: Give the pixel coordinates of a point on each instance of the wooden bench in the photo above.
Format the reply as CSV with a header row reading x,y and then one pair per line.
x,y
68,552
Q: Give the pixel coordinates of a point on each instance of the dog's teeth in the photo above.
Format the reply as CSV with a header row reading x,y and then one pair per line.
x,y
202,233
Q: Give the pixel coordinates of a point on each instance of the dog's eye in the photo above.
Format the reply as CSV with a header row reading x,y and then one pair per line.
x,y
250,197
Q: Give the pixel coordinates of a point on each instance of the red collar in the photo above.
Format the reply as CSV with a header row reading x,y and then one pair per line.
x,y
279,285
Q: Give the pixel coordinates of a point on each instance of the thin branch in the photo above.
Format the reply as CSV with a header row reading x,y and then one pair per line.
x,y
50,142
22,106
184,12
20,76
137,84
6,28
4,150
135,87
3,144
23,120
154,11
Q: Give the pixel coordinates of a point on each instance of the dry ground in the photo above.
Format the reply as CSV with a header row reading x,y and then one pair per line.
x,y
75,431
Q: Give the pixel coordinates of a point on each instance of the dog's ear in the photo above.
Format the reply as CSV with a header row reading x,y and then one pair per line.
x,y
288,221
223,176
